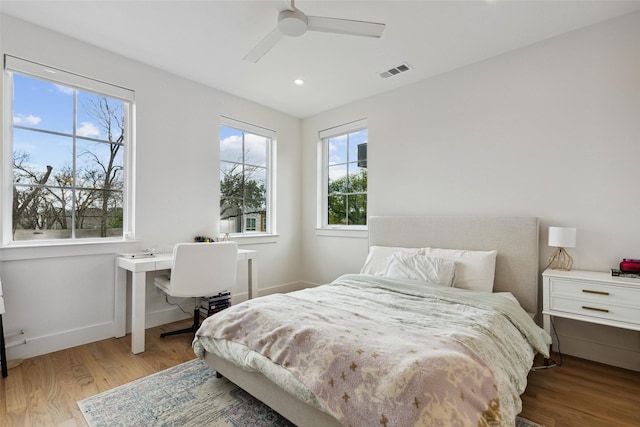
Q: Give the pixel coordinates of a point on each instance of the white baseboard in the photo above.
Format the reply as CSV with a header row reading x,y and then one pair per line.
x,y
162,317
36,346
600,343
598,352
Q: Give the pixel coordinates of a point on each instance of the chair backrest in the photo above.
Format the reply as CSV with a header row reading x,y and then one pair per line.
x,y
203,269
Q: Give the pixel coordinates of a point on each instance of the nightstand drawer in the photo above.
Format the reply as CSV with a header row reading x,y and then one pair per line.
x,y
596,309
595,293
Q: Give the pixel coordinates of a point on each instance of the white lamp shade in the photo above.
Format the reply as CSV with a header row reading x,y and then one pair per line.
x,y
562,237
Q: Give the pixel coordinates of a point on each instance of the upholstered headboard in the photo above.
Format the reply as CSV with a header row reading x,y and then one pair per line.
x,y
515,239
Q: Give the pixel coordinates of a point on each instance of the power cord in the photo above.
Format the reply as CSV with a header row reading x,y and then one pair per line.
x,y
166,298
551,363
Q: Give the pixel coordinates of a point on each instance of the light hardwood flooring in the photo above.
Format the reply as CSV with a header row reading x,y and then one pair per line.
x,y
43,391
581,393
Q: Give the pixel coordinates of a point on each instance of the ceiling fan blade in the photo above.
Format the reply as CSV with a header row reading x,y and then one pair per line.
x,y
264,46
345,26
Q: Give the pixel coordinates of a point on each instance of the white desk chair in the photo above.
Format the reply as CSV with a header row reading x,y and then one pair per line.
x,y
199,269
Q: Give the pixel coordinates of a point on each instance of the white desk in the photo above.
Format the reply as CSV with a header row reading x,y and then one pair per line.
x,y
139,268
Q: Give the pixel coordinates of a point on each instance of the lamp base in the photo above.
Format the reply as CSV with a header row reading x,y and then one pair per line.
x,y
560,260
226,238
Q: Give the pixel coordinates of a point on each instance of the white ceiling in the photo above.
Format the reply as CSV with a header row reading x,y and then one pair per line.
x,y
206,40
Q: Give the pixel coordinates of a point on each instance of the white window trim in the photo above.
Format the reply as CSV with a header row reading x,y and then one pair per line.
x,y
361,233
323,228
271,233
33,69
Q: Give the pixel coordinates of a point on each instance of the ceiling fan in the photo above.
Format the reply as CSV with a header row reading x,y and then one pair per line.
x,y
292,22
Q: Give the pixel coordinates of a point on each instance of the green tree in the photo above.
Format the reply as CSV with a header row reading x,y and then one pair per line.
x,y
241,194
347,204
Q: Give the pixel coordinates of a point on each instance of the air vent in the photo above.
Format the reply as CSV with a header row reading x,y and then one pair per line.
x,y
396,70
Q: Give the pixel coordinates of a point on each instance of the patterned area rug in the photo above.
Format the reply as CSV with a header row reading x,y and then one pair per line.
x,y
185,395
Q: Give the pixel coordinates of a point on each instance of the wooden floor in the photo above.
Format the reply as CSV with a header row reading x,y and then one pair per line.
x,y
582,393
43,391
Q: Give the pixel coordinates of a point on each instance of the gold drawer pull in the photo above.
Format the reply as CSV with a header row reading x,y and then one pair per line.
x,y
595,292
604,310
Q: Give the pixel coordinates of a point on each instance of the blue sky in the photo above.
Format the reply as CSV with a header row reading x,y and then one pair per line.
x,y
343,149
255,152
231,147
47,106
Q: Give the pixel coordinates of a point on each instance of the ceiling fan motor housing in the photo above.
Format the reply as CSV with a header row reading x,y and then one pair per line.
x,y
292,23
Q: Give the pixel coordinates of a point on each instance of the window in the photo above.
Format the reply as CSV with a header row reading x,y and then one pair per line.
x,y
68,147
345,175
245,158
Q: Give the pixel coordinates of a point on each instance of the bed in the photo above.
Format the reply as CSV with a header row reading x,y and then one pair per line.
x,y
396,344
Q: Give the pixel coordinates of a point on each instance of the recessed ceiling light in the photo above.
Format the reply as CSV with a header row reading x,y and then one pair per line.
x,y
299,82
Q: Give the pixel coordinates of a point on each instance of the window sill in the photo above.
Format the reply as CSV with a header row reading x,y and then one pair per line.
x,y
253,239
57,249
359,233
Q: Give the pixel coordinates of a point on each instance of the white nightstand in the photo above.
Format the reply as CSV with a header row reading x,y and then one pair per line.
x,y
590,296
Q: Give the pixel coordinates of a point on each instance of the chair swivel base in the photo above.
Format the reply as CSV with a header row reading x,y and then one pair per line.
x,y
192,329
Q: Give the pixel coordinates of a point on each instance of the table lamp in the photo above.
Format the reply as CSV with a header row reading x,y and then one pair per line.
x,y
561,238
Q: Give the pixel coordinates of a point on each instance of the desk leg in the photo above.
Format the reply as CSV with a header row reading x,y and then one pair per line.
x,y
138,290
120,314
252,273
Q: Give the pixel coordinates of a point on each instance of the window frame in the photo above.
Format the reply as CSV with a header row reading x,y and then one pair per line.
x,y
78,82
323,175
270,135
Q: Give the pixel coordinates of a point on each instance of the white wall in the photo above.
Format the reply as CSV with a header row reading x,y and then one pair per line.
x,y
63,295
552,130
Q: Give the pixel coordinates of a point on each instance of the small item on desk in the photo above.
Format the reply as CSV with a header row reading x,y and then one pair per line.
x,y
203,239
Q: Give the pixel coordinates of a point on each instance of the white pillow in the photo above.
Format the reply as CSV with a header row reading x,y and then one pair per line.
x,y
378,258
437,271
474,269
